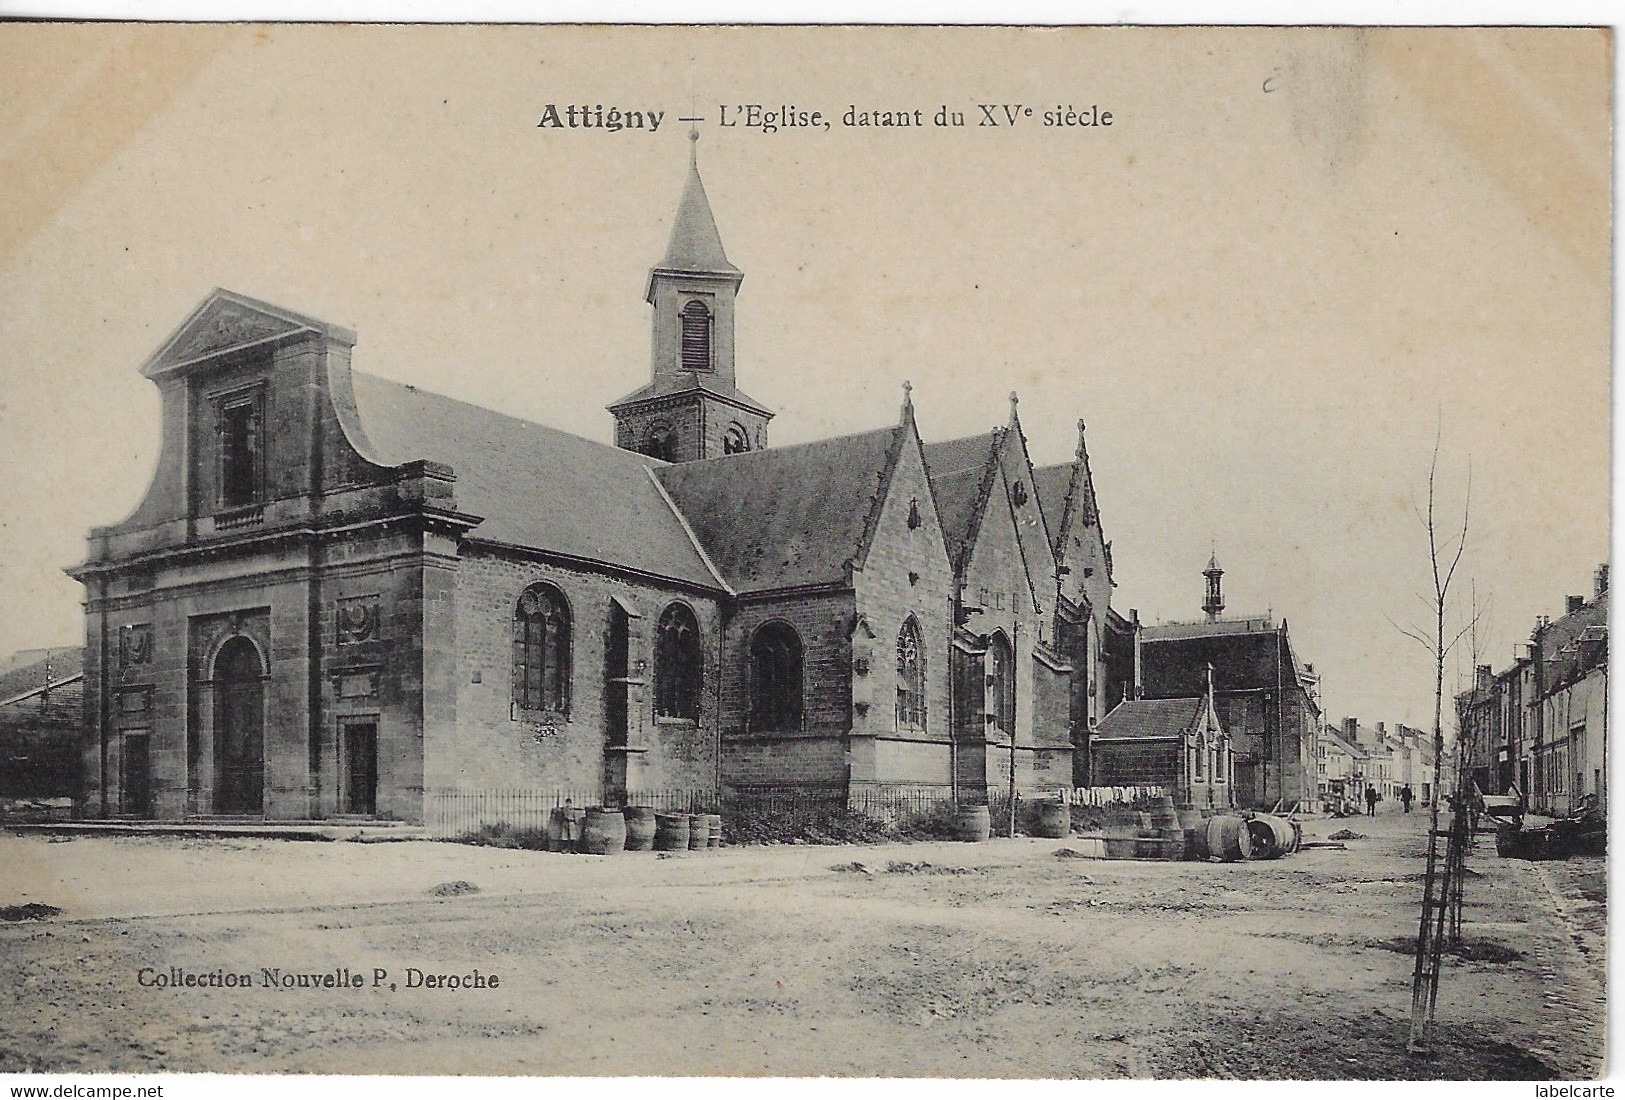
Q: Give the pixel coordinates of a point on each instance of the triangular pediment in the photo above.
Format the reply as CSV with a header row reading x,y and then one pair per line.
x,y
226,322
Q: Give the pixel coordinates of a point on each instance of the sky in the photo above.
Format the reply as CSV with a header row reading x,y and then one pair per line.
x,y
1292,259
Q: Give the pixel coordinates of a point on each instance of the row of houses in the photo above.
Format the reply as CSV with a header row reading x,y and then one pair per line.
x,y
1355,757
1540,726
345,596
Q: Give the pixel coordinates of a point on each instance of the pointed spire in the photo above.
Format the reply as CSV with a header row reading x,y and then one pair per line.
x,y
695,243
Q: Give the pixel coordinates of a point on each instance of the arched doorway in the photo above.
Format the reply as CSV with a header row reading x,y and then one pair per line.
x,y
239,729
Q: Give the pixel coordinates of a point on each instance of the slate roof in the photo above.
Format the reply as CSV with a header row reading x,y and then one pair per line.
x,y
65,704
958,469
695,244
784,517
1174,658
535,486
1147,719
670,385
1560,643
1051,484
1352,750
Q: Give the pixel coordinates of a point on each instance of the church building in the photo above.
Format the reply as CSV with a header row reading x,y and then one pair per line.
x,y
345,597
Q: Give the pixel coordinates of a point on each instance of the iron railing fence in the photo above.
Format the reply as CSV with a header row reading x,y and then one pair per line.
x,y
457,811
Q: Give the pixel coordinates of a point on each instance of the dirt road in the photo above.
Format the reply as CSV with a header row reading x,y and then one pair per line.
x,y
991,960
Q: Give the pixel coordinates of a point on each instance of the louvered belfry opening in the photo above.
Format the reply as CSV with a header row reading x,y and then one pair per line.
x,y
696,348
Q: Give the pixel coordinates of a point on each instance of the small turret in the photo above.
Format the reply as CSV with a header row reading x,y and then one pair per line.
x,y
1214,604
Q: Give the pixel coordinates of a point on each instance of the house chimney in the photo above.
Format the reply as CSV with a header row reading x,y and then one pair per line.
x,y
1599,580
1351,729
1381,731
1484,677
1573,604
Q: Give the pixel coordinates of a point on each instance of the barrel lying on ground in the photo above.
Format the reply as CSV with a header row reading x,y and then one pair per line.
x,y
1228,838
1272,837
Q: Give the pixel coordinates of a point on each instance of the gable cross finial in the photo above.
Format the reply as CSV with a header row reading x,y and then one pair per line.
x,y
908,399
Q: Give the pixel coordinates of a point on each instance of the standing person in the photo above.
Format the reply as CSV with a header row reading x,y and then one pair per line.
x,y
1371,802
1405,797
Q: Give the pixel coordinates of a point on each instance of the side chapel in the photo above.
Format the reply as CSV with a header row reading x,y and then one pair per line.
x,y
342,596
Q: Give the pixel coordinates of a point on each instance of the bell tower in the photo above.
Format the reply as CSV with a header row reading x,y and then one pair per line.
x,y
691,408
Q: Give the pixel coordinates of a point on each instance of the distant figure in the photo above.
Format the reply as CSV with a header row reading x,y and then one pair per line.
x,y
1371,802
1405,797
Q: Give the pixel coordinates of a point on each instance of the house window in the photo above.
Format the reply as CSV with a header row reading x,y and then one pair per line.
x,y
735,441
241,451
910,678
677,664
696,325
775,678
541,651
1001,683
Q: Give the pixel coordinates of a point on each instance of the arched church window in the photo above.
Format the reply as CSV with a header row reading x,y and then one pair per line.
x,y
696,336
775,678
910,677
1001,683
541,651
734,440
677,664
659,441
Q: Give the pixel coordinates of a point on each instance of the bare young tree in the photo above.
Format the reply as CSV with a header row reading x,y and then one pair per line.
x,y
1445,551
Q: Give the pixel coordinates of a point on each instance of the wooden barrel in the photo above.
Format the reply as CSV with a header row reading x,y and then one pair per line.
x,y
1192,818
603,832
640,828
1143,820
1148,845
671,832
1228,838
1054,820
699,832
1272,836
713,830
1163,814
972,823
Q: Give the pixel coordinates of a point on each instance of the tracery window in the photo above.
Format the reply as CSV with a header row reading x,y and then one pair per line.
x,y
910,677
1001,682
677,664
541,650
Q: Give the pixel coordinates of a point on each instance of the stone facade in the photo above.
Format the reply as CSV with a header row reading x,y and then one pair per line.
x,y
342,595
